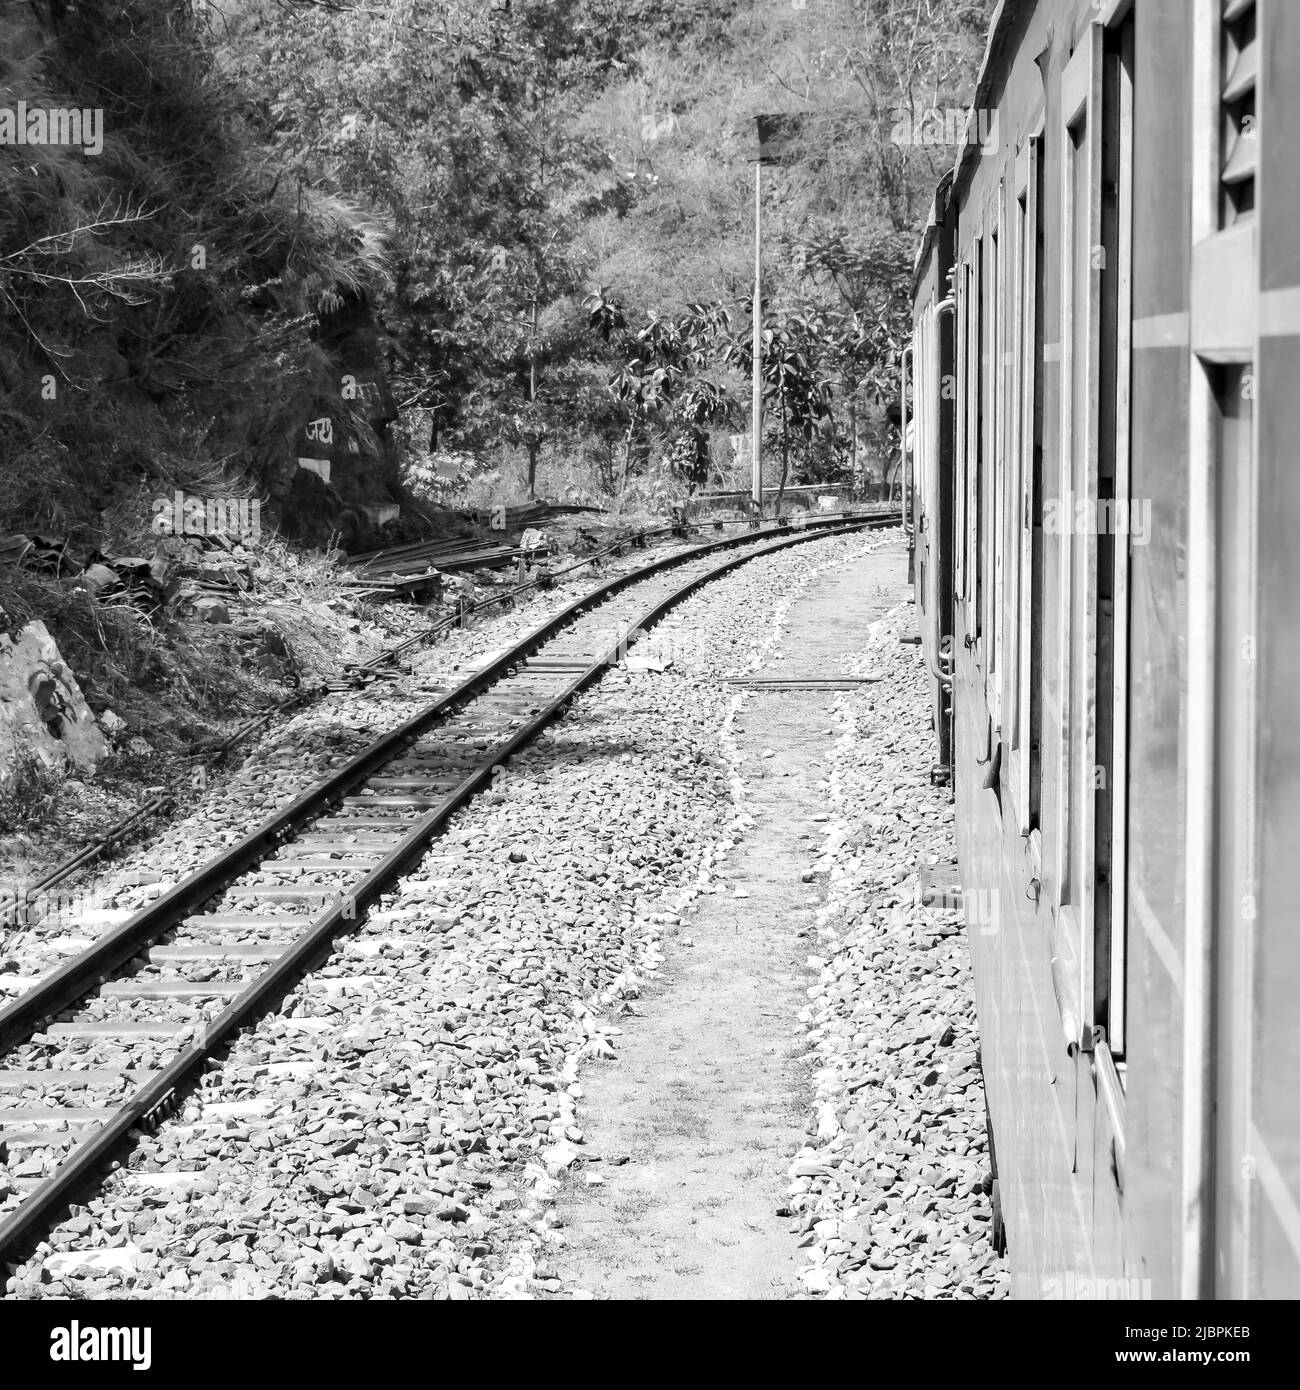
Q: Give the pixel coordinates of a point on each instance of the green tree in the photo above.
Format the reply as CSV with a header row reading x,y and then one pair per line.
x,y
661,380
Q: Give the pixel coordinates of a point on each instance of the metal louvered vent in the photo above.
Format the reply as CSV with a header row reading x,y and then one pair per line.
x,y
1239,60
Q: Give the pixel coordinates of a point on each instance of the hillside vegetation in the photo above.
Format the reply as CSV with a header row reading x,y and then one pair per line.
x,y
524,154
539,211
473,172
156,295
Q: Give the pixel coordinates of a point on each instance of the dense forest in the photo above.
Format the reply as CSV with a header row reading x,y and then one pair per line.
x,y
357,268
542,208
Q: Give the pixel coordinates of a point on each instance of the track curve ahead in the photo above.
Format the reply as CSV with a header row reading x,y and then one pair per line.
x,y
161,993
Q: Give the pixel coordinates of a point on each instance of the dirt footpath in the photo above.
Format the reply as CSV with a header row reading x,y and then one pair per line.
x,y
708,1096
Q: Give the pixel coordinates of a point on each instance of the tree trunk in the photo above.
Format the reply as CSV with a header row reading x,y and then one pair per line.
x,y
785,462
533,447
627,466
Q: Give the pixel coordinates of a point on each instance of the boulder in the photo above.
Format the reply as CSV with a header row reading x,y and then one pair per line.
x,y
44,718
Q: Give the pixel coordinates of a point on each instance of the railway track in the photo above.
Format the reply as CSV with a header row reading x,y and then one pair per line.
x,y
382,664
16,904
107,1044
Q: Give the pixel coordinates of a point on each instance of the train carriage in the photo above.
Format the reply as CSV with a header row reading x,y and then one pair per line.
x,y
1104,377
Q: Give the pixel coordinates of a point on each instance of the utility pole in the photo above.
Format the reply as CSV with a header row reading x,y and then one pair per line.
x,y
777,144
758,341
534,444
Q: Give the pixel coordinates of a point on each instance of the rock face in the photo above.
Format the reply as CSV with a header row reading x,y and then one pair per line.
x,y
341,476
44,718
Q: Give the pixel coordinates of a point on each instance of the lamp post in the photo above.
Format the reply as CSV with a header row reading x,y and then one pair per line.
x,y
775,134
758,339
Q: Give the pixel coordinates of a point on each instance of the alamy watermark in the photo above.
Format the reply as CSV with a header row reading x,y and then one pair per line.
x,y
1091,516
946,126
78,1343
22,906
1086,1288
187,515
52,125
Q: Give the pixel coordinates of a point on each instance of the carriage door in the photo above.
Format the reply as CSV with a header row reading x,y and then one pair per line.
x,y
1120,525
1224,543
1234,800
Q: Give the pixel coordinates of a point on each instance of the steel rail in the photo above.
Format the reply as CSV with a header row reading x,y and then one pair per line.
x,y
638,538
74,979
151,1100
13,904
394,653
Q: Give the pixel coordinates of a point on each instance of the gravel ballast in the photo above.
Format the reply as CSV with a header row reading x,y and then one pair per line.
x,y
401,1126
267,774
891,1193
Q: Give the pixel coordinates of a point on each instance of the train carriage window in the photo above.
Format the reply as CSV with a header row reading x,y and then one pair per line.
x,y
1094,531
998,470
1077,319
1113,536
978,363
1239,143
962,347
921,454
1078,547
1027,529
968,461
1014,358
993,470
1031,477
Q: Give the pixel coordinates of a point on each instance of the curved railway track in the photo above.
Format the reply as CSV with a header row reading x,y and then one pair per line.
x,y
15,905
145,1006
